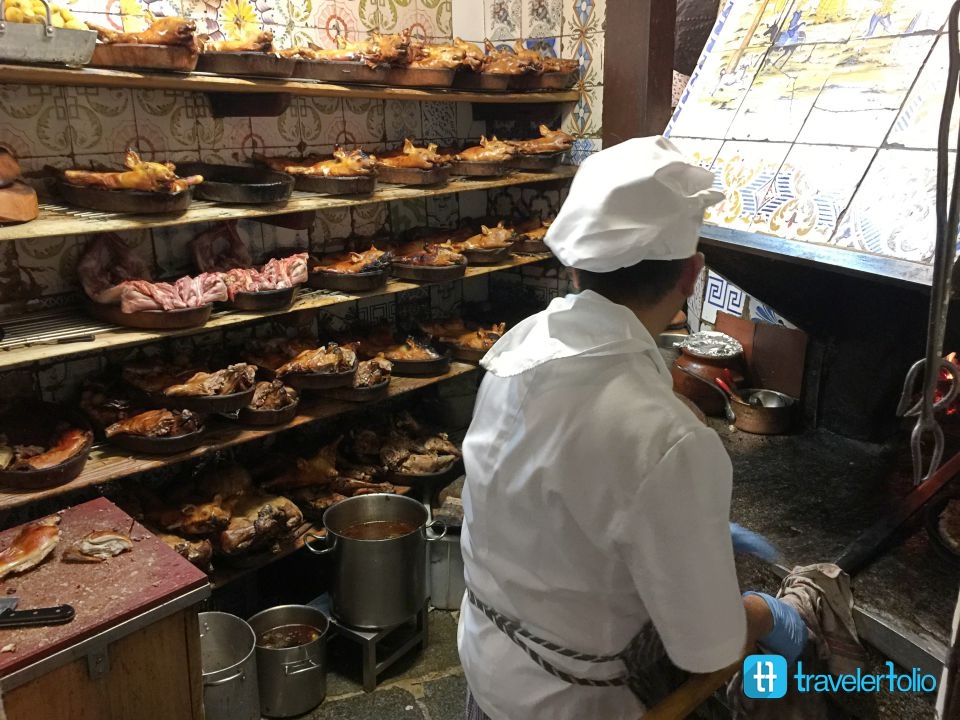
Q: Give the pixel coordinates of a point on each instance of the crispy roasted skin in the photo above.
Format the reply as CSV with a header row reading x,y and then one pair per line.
x,y
417,252
353,262
411,349
157,423
377,50
141,175
162,31
355,163
492,150
256,41
98,545
456,332
232,379
411,156
198,552
486,239
272,395
31,545
372,372
255,519
412,449
561,65
550,141
505,62
68,444
318,469
329,359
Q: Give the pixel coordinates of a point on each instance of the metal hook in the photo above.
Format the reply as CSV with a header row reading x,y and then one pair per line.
x,y
904,409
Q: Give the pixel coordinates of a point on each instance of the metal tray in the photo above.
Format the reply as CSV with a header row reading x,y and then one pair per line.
x,y
348,282
246,63
368,394
536,163
413,176
36,420
263,300
207,404
422,368
124,201
474,168
543,81
471,80
336,185
30,43
487,256
158,445
425,273
339,72
130,56
419,77
239,184
268,418
319,381
151,319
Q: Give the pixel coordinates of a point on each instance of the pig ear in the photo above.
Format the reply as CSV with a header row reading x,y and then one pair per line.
x,y
484,229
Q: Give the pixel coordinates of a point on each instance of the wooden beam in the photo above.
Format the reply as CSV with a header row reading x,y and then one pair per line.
x,y
637,68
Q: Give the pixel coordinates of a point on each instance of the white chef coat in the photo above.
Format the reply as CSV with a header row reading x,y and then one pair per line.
x,y
594,502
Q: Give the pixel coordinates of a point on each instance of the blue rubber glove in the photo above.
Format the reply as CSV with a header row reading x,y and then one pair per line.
x,y
747,542
789,634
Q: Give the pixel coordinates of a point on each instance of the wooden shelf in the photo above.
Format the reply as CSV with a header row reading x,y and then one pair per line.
x,y
59,220
201,82
107,463
225,572
108,337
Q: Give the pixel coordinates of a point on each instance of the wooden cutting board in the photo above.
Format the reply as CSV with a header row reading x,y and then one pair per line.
x,y
103,594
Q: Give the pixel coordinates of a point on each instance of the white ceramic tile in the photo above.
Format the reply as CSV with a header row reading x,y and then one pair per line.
x,y
468,19
404,215
503,19
541,18
167,120
402,120
218,133
443,211
722,295
917,124
277,132
34,120
745,172
702,152
101,120
439,120
441,15
284,240
363,122
321,120
371,219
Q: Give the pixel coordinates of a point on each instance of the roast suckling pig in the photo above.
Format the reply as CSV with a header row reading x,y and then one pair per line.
x,y
492,150
448,57
507,62
560,65
329,359
157,423
318,469
372,372
417,252
272,396
411,156
486,239
153,375
355,163
161,31
255,519
350,263
65,444
456,332
253,41
199,552
140,175
378,50
231,379
414,450
31,545
379,341
273,353
98,545
550,141
105,403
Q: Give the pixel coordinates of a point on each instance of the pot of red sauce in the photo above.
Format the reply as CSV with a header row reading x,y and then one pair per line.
x,y
378,542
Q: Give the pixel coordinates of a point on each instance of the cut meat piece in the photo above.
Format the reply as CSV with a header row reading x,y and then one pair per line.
x,y
232,379
198,552
31,546
157,423
255,520
353,262
329,359
98,545
272,396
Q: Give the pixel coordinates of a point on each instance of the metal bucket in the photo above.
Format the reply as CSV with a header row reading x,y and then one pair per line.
x,y
377,583
292,680
229,668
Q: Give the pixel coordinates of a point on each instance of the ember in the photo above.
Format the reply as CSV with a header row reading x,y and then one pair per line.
x,y
943,386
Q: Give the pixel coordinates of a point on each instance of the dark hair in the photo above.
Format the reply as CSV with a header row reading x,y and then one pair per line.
x,y
643,284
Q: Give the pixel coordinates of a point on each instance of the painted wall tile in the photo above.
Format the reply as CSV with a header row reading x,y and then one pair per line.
x,y
363,122
811,190
402,120
439,120
441,14
541,18
695,302
206,14
468,19
916,125
238,18
284,240
332,225
321,120
503,21
472,204
702,152
337,19
171,250
371,219
405,215
34,120
445,299
385,15
760,312
422,24
275,13
467,127
376,310
584,148
167,120
862,98
101,120
229,132
892,212
579,15
738,18
61,382
475,289
276,132
745,173
720,294
443,211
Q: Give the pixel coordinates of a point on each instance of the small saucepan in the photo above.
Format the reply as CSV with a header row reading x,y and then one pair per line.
x,y
763,412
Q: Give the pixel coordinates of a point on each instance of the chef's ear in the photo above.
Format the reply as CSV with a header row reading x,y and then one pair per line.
x,y
575,278
692,267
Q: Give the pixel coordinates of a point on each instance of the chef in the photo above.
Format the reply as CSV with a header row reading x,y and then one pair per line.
x,y
596,528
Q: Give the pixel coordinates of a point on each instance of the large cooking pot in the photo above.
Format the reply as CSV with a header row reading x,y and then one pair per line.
x,y
229,668
291,659
703,357
379,543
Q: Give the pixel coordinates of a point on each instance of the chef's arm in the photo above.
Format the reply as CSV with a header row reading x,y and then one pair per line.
x,y
759,621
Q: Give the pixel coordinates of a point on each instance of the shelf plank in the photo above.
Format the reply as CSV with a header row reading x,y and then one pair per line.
x,y
202,82
114,338
107,463
59,220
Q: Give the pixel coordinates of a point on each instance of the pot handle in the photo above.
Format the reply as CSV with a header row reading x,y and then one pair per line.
x,y
223,681
299,666
432,526
329,539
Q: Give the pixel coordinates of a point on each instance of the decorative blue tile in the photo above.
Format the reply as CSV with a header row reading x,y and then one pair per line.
x,y
547,46
720,294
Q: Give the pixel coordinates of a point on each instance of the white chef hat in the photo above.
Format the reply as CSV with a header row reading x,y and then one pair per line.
x,y
639,200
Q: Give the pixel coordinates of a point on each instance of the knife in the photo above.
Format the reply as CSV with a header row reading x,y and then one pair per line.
x,y
9,617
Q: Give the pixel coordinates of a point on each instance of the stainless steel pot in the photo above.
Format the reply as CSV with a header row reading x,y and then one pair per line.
x,y
377,583
229,668
292,680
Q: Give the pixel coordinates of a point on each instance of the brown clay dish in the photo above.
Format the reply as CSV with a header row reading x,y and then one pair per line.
x,y
336,185
268,418
419,77
534,163
158,445
543,81
255,64
207,403
425,273
263,300
339,72
413,176
124,201
151,319
485,256
475,168
239,184
348,282
530,247
492,82
128,56
320,381
367,394
422,368
32,426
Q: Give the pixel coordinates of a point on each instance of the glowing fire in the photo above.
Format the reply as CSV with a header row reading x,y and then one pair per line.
x,y
943,386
